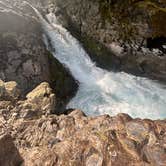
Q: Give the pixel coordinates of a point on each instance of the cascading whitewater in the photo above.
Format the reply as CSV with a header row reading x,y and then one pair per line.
x,y
100,91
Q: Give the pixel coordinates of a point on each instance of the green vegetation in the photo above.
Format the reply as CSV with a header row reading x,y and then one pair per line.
x,y
127,12
151,6
157,15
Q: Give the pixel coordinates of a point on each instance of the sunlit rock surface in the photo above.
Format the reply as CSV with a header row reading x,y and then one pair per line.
x,y
31,135
74,139
23,56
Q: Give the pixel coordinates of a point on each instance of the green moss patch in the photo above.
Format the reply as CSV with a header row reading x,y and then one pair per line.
x,y
127,12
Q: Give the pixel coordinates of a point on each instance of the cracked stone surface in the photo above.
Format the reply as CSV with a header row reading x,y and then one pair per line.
x,y
42,138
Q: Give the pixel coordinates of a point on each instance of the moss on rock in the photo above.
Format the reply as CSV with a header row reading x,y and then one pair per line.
x,y
100,54
129,12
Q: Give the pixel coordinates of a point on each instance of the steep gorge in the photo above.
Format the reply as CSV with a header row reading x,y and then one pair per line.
x,y
121,28
31,135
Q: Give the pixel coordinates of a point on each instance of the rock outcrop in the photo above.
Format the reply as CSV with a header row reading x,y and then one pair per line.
x,y
134,31
117,21
44,139
23,54
9,90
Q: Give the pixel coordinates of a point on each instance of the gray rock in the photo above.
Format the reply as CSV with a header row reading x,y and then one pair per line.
x,y
137,131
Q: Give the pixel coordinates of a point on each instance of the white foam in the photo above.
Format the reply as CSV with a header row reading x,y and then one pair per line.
x,y
100,91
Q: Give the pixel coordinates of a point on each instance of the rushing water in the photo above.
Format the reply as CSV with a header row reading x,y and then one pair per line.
x,y
100,91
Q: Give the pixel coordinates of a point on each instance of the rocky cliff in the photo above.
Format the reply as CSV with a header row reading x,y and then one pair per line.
x,y
120,35
36,137
23,54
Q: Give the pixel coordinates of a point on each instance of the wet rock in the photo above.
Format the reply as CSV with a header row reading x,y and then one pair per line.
x,y
116,34
25,67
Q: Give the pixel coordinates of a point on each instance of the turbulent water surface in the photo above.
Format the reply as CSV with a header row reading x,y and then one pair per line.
x,y
100,91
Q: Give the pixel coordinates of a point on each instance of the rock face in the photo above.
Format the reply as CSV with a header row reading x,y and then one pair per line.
x,y
117,21
23,54
42,96
9,155
134,31
30,134
9,90
74,139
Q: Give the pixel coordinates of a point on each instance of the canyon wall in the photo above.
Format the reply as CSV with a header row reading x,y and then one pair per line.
x,y
119,35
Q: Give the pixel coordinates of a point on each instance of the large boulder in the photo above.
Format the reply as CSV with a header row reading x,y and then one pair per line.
x,y
40,101
42,95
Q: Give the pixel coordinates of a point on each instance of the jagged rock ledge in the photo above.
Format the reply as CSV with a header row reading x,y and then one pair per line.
x,y
37,137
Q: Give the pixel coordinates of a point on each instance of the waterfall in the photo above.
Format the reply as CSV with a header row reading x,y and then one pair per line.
x,y
100,91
